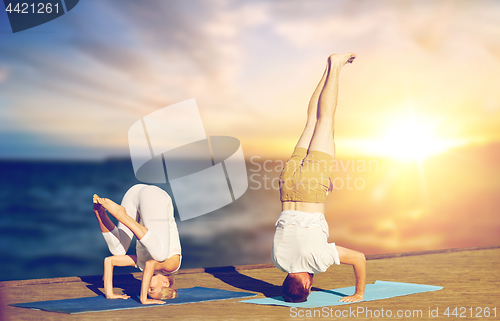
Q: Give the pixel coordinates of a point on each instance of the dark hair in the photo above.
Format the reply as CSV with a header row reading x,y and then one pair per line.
x,y
293,290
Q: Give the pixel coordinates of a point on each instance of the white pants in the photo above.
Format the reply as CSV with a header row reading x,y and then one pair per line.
x,y
151,207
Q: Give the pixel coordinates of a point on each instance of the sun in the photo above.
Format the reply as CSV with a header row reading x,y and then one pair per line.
x,y
411,138
405,137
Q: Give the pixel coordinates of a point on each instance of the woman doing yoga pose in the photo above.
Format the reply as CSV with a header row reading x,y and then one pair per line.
x,y
300,245
146,212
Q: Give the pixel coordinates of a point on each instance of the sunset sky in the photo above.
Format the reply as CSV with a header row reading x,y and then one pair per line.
x,y
426,77
420,102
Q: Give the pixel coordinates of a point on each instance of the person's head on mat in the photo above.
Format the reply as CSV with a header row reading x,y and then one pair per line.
x,y
300,242
297,286
161,287
148,214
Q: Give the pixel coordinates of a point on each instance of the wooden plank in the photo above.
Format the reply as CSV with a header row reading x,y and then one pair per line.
x,y
393,255
469,276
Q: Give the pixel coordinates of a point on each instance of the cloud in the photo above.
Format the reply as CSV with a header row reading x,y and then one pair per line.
x,y
4,73
248,63
124,62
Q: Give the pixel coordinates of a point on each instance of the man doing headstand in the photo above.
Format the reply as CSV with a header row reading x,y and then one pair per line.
x,y
300,245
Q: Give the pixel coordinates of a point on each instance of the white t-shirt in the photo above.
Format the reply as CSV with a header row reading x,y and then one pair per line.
x,y
301,243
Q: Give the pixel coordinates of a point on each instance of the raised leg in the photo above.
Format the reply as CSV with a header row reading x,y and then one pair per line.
x,y
118,238
105,224
157,213
322,138
312,114
121,215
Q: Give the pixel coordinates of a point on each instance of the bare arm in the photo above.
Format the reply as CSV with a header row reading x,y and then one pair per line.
x,y
358,262
147,274
109,263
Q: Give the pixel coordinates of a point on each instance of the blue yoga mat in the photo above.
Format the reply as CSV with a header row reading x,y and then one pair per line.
x,y
376,291
100,303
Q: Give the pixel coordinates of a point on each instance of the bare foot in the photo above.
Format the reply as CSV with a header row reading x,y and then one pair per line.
x,y
98,209
113,208
342,59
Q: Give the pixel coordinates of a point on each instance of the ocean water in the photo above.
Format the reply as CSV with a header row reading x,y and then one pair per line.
x,y
48,228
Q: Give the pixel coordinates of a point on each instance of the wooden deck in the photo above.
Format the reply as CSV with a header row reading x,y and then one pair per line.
x,y
470,277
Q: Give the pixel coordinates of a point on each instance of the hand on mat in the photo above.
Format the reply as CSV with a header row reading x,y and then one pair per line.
x,y
352,298
151,301
117,296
